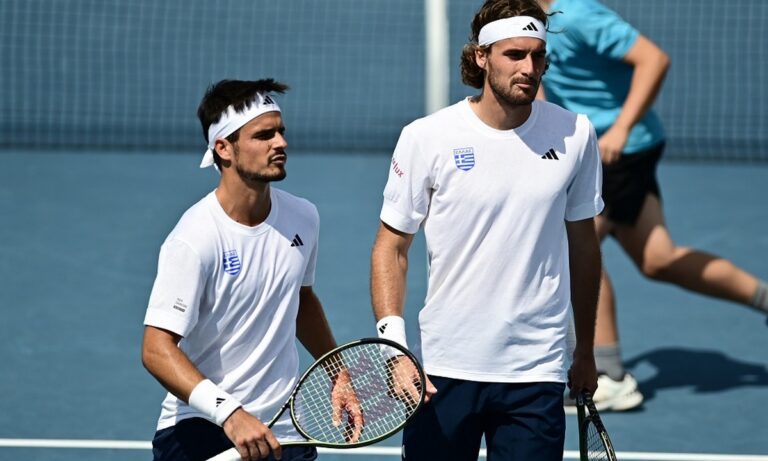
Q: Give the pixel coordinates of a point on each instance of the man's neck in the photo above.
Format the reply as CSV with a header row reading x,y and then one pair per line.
x,y
247,204
499,115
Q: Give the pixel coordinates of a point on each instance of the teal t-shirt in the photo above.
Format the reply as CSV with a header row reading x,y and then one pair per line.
x,y
586,43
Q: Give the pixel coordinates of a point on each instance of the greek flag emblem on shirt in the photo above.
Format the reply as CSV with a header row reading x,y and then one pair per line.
x,y
231,262
464,158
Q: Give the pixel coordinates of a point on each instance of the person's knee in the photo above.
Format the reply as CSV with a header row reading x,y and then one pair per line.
x,y
657,267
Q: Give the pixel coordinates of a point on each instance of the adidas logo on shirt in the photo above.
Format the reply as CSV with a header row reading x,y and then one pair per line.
x,y
297,241
550,155
531,26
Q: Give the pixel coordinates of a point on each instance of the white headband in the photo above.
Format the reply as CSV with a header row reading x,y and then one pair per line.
x,y
232,121
516,26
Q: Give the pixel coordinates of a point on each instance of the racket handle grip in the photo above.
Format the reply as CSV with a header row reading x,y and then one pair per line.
x,y
229,455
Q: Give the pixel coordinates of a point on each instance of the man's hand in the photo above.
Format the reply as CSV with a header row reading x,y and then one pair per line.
x,y
612,143
252,439
405,381
582,376
344,399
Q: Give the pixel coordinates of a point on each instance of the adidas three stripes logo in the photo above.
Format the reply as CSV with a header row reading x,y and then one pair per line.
x,y
531,26
551,155
297,241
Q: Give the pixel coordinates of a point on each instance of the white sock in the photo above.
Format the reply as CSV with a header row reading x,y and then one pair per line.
x,y
760,300
608,361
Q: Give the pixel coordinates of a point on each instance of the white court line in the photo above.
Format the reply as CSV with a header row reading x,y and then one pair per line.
x,y
380,451
68,443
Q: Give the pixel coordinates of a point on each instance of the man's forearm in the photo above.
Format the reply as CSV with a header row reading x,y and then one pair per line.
x,y
312,328
585,286
585,268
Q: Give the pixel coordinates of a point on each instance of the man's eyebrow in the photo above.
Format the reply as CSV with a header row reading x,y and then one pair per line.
x,y
523,50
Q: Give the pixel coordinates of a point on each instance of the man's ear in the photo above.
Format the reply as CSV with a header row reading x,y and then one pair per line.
x,y
224,149
481,56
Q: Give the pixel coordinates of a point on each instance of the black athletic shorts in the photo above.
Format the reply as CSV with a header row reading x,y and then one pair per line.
x,y
627,182
197,439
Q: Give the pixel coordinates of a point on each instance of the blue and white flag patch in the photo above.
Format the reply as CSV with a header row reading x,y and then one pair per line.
x,y
464,158
231,262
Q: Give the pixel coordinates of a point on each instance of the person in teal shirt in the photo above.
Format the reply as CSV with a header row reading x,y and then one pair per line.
x,y
601,66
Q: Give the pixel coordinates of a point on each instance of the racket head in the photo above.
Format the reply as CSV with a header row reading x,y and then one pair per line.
x,y
385,378
594,442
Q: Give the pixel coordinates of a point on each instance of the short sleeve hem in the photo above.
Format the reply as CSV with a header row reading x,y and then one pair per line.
x,y
625,45
167,321
394,218
308,281
584,210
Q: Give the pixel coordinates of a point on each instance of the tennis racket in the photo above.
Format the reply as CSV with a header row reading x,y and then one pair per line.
x,y
385,378
594,443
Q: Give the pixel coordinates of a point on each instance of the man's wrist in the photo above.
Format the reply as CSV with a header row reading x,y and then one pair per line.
x,y
213,402
392,327
584,352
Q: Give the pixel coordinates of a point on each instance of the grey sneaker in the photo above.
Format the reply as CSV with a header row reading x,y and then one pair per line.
x,y
611,395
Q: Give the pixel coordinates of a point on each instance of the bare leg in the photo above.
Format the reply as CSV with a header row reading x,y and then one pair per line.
x,y
606,330
650,246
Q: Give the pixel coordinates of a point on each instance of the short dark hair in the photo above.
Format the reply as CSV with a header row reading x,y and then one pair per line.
x,y
492,10
237,93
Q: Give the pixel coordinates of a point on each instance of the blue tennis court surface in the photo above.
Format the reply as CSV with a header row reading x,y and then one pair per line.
x,y
78,247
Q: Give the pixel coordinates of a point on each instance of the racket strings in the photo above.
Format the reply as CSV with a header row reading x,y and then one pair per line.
x,y
596,449
366,379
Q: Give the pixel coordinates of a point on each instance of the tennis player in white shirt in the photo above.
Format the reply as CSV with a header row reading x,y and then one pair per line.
x,y
506,189
234,291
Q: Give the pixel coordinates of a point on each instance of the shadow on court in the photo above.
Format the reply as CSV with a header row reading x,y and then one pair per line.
x,y
703,371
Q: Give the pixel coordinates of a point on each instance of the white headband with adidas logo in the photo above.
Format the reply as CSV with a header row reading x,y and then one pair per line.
x,y
516,26
231,121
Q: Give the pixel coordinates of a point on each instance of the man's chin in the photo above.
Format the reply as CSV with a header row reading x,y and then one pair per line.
x,y
276,177
249,176
525,95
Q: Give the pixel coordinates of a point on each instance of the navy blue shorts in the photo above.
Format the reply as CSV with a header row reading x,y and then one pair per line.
x,y
197,439
520,422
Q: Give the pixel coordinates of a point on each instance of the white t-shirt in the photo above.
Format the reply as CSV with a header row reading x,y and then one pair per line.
x,y
493,205
232,292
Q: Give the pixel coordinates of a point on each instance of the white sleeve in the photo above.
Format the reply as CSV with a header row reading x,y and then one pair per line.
x,y
175,300
585,190
409,186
